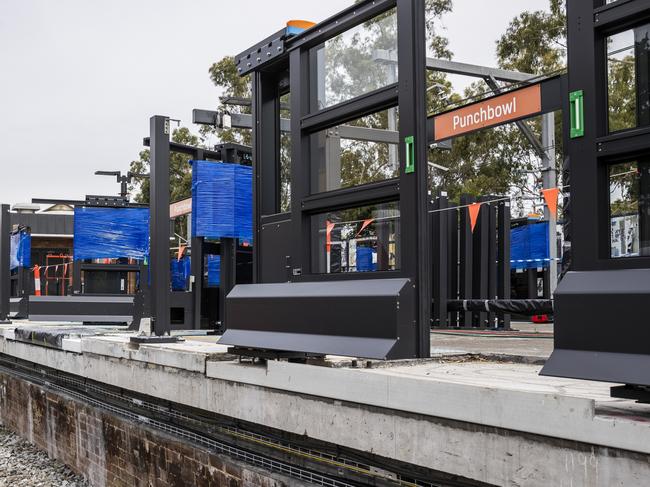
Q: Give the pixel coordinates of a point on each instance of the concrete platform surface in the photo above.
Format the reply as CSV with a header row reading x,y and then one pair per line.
x,y
435,413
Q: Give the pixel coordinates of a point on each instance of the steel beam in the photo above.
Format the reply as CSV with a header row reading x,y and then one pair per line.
x,y
5,271
196,280
159,225
465,69
227,274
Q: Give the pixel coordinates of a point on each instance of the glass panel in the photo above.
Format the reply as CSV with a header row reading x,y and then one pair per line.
x,y
285,155
363,239
357,61
628,71
629,208
359,152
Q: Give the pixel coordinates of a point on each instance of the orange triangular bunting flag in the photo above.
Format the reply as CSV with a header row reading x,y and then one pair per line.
x,y
181,251
473,209
328,235
365,224
550,196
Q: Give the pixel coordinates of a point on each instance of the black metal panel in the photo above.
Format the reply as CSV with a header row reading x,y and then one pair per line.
x,y
196,263
440,261
620,14
44,223
465,259
227,273
627,368
5,257
602,311
275,254
181,307
189,150
370,319
87,309
342,21
358,107
344,198
262,53
19,307
503,271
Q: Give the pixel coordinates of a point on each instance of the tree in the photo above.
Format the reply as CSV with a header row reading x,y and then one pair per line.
x,y
350,66
180,174
497,161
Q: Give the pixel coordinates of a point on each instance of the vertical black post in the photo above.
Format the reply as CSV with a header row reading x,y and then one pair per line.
x,y
227,275
5,271
266,157
466,259
531,275
196,262
492,259
503,277
440,262
452,238
480,261
159,225
76,277
414,186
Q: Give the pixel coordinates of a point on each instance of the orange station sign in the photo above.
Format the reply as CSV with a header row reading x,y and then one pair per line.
x,y
179,208
498,110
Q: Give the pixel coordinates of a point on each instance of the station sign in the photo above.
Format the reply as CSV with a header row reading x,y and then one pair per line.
x,y
497,110
180,208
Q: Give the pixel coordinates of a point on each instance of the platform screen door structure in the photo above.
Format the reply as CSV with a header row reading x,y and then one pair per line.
x,y
601,330
347,270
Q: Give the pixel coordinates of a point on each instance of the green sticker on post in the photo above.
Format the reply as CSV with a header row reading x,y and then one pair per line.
x,y
410,154
576,103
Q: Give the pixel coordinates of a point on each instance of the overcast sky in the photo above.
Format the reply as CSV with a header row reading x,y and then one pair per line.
x,y
79,79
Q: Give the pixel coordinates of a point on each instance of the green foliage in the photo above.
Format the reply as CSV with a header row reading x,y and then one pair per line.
x,y
535,42
224,75
180,174
622,93
486,162
495,161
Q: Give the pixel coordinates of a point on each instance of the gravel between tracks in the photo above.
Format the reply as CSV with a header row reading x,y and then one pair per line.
x,y
22,465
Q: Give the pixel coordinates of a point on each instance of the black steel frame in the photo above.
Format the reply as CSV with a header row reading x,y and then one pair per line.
x,y
162,298
269,80
601,325
5,282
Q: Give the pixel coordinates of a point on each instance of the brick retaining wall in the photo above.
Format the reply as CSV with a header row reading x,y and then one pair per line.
x,y
112,451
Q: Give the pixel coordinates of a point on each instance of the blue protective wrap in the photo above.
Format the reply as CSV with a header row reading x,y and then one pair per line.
x,y
529,246
20,253
214,270
180,274
222,200
364,259
111,233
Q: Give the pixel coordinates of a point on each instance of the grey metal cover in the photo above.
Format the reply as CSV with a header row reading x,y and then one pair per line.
x,y
82,308
363,318
601,330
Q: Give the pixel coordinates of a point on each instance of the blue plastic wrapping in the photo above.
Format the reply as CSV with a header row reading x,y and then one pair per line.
x,y
222,200
20,253
365,259
214,270
180,274
529,246
111,233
